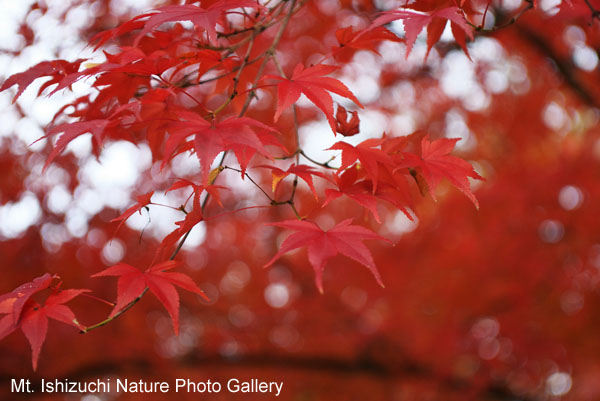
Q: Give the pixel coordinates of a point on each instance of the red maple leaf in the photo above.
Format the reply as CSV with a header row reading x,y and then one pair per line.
x,y
315,86
212,138
133,282
343,125
361,40
367,153
205,19
130,60
14,301
436,163
301,170
57,70
205,58
31,317
73,130
362,193
104,36
414,22
344,238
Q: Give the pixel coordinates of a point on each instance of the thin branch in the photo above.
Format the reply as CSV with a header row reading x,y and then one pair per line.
x,y
288,156
512,20
271,200
236,79
326,164
258,29
163,205
234,69
184,82
595,13
564,67
270,51
181,242
180,89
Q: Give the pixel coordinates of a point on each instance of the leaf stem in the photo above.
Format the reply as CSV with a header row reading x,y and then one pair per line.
x,y
236,79
268,53
310,159
104,301
512,20
116,315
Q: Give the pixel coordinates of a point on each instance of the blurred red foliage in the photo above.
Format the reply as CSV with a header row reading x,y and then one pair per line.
x,y
495,303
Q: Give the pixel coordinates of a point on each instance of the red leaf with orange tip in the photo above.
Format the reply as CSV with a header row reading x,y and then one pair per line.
x,y
301,170
14,301
344,238
132,283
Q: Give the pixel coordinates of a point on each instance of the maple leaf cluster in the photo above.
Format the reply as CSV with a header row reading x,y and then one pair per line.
x,y
216,88
23,312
